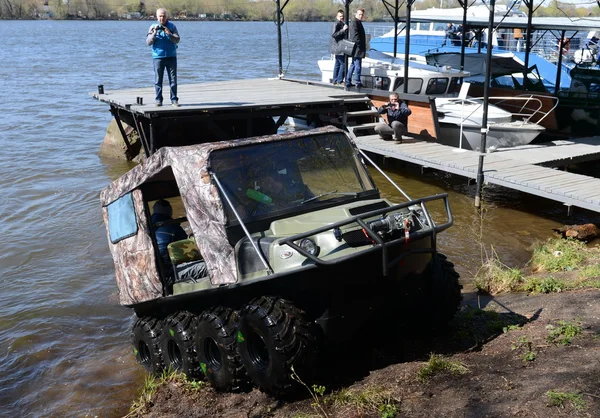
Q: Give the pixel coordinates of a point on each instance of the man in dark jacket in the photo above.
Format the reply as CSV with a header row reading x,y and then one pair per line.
x,y
357,35
166,233
339,31
397,116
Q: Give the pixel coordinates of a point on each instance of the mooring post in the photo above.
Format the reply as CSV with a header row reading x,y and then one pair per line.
x,y
465,6
279,38
561,45
529,5
486,95
409,4
347,20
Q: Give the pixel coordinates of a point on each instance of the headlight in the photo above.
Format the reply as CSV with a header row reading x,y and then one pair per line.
x,y
309,246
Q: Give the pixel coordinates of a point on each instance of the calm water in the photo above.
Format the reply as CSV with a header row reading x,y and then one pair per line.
x,y
64,341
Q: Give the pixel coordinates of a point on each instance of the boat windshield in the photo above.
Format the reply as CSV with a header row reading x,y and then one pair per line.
x,y
271,178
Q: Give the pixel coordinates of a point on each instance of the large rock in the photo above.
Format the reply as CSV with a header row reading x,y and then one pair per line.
x,y
113,145
585,232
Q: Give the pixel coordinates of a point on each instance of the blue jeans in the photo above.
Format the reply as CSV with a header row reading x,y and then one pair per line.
x,y
355,66
338,69
170,64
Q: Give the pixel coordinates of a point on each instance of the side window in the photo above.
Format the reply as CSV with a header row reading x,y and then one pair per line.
x,y
414,85
437,86
454,85
378,83
121,219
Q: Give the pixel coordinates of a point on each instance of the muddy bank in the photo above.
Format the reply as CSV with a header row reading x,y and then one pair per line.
x,y
510,366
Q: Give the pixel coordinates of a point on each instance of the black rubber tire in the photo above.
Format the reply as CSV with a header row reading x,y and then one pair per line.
x,y
216,345
445,290
177,343
273,337
145,338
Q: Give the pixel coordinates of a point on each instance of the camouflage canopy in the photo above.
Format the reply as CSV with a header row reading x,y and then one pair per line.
x,y
137,275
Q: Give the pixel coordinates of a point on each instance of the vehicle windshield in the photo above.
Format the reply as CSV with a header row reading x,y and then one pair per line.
x,y
267,178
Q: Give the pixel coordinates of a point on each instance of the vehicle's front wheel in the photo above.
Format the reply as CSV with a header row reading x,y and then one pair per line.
x,y
145,337
216,344
445,290
177,343
274,338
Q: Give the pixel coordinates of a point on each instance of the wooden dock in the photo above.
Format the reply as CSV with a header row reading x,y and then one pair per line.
x,y
237,109
249,94
531,168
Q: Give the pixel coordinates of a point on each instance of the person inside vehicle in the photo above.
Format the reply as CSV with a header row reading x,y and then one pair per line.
x,y
397,119
166,233
277,189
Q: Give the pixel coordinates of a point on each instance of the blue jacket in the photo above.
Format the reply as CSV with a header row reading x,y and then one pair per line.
x,y
166,234
163,45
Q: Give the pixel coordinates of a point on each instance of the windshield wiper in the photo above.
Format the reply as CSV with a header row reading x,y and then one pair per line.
x,y
310,199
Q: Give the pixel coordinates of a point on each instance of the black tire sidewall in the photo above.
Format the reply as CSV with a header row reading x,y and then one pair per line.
x,y
147,332
213,325
183,327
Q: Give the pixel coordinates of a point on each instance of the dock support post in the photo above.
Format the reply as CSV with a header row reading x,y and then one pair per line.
x,y
486,95
347,20
560,60
465,5
529,5
279,23
409,4
113,110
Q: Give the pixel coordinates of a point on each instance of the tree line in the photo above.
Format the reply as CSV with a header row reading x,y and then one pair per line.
x,y
248,10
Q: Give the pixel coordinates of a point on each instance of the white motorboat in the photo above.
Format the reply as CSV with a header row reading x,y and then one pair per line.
x,y
461,119
459,116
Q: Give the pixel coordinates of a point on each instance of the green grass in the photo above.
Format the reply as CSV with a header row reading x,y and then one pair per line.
x,y
563,332
437,364
526,346
152,383
544,285
590,272
369,401
559,255
494,277
560,398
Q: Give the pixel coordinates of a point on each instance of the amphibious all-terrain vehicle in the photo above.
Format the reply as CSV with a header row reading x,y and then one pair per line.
x,y
300,248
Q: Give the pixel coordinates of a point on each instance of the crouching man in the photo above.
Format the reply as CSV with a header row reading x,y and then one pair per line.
x,y
397,115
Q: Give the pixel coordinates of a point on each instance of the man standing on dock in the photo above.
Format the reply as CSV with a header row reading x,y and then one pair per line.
x,y
339,31
163,37
397,119
357,35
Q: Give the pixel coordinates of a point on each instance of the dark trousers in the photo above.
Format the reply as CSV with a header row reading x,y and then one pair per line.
x,y
170,64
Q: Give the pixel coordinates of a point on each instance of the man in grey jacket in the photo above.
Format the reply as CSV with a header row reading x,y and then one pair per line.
x,y
357,35
339,31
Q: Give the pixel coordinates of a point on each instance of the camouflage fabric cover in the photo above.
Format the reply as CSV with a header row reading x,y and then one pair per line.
x,y
143,281
183,251
203,205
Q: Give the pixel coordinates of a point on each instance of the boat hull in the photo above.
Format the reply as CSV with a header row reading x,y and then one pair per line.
x,y
499,136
